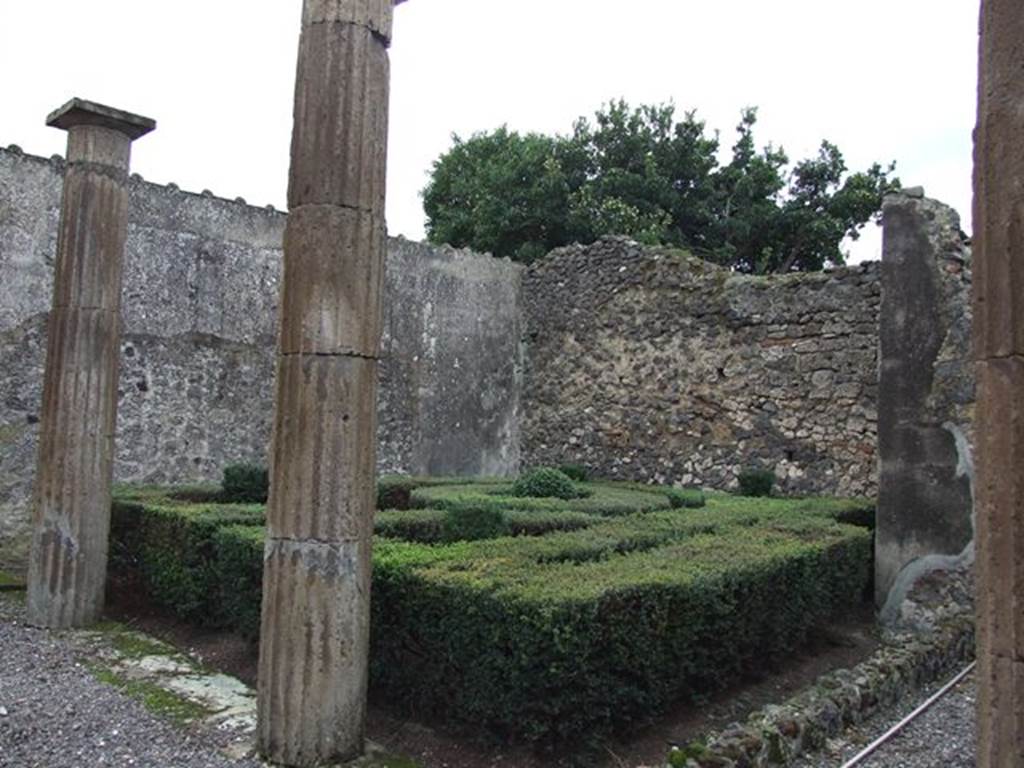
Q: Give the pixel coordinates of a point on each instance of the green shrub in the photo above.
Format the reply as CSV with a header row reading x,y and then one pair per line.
x,y
395,491
601,499
545,483
575,472
689,498
198,494
756,482
552,638
427,525
471,524
171,546
522,523
523,639
245,483
423,525
237,569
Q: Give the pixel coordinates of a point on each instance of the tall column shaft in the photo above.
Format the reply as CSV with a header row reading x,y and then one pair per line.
x,y
316,580
999,352
67,569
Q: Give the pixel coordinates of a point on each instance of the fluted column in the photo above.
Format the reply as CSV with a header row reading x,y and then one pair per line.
x,y
316,581
999,351
71,517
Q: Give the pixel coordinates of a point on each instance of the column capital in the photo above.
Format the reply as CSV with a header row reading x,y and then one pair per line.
x,y
81,112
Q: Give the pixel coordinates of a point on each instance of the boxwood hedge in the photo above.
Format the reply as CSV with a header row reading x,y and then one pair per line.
x,y
550,638
601,499
428,525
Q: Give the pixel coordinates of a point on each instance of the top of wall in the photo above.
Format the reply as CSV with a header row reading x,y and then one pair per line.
x,y
590,276
167,206
194,262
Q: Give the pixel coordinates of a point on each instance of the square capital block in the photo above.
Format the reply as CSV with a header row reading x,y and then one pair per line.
x,y
79,112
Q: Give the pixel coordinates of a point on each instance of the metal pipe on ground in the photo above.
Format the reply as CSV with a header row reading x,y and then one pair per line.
x,y
871,748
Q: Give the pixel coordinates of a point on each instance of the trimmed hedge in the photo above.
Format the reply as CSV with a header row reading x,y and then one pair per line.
x,y
246,484
602,499
551,638
427,525
546,483
395,491
594,634
685,498
172,547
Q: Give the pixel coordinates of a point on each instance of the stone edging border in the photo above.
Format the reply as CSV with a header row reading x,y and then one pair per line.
x,y
776,735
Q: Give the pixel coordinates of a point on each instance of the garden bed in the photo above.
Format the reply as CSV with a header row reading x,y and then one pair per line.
x,y
551,637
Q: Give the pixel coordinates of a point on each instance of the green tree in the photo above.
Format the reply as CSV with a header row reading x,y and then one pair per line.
x,y
500,193
640,172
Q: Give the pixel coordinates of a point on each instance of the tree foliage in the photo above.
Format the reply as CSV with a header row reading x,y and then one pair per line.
x,y
641,172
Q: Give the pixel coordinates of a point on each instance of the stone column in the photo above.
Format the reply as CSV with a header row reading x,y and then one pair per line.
x,y
71,517
925,398
316,581
999,352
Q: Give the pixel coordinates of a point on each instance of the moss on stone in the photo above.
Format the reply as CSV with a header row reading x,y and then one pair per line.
x,y
157,700
133,646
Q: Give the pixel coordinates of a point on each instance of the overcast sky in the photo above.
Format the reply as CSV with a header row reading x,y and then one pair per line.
x,y
883,79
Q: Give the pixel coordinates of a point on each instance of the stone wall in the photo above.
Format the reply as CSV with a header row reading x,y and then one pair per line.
x,y
926,397
649,364
199,310
638,363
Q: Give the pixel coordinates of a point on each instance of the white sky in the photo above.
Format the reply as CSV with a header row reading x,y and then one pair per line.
x,y
883,79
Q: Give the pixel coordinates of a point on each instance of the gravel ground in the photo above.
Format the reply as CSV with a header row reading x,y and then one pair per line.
x,y
54,714
943,737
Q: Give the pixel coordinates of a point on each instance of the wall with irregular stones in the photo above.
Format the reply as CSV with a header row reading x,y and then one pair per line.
x,y
651,365
926,397
639,363
199,310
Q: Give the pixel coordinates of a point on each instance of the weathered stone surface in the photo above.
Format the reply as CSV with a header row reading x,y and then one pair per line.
x,y
376,15
71,518
999,168
313,649
648,364
328,298
104,149
926,397
338,155
1001,504
67,569
999,349
201,288
81,112
451,372
92,239
323,484
314,634
1000,514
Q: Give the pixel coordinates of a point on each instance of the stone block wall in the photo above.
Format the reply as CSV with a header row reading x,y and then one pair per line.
x,y
197,367
638,363
651,365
